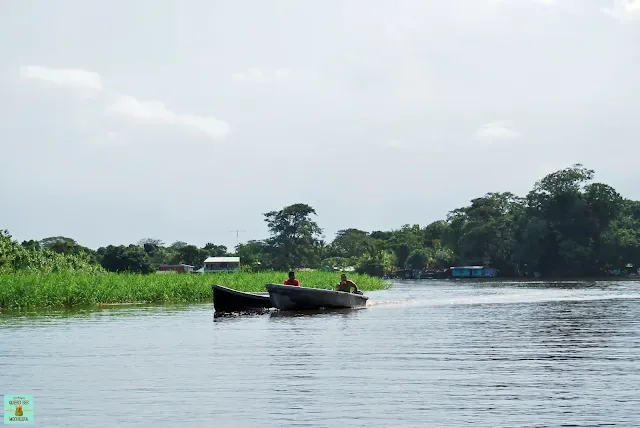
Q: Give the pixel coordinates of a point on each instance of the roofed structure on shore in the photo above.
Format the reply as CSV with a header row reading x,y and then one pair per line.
x,y
221,264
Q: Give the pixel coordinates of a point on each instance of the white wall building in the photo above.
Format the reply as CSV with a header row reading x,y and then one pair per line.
x,y
221,264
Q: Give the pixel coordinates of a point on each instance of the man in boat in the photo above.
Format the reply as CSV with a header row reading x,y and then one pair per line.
x,y
292,280
346,285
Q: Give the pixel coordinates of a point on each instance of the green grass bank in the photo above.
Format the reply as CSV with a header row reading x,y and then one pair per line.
x,y
54,290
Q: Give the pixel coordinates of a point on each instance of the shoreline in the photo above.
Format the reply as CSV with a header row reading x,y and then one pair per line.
x,y
26,291
525,279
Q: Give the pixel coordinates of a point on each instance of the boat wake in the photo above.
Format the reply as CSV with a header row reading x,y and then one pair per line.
x,y
496,299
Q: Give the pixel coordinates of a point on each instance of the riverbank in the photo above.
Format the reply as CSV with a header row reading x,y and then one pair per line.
x,y
35,291
548,280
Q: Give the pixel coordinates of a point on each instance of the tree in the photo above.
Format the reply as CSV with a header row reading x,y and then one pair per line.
x,y
381,235
67,246
7,252
59,244
378,261
410,235
564,222
435,231
31,244
418,259
152,247
31,257
404,241
484,232
620,242
295,237
190,255
255,254
439,256
176,245
157,243
349,243
402,252
214,250
126,259
372,267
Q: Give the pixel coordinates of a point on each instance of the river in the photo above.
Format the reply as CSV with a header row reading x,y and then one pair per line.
x,y
422,354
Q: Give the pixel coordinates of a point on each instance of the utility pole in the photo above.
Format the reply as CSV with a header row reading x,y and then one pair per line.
x,y
237,231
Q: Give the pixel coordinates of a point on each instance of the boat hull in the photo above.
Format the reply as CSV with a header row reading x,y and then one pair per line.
x,y
229,300
291,298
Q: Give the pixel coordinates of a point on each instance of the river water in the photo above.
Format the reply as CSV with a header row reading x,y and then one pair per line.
x,y
422,354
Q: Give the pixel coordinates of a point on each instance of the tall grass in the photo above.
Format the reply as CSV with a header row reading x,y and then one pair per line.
x,y
27,290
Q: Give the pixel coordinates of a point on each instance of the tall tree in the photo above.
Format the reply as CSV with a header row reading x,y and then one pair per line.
x,y
295,237
563,219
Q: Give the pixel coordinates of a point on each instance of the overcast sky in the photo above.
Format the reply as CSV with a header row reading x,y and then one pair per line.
x,y
184,120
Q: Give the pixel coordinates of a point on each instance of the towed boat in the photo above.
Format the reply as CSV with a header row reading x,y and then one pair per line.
x,y
229,300
291,298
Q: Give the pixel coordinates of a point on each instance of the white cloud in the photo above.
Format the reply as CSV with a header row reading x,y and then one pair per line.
x,y
155,112
497,131
128,106
256,75
72,77
624,10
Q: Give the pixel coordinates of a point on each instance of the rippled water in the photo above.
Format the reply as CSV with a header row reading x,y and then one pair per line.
x,y
422,354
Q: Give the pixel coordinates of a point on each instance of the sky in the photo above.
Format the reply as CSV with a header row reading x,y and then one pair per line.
x,y
123,120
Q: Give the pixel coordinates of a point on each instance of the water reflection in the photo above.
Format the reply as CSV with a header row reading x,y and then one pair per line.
x,y
275,314
229,316
30,318
314,312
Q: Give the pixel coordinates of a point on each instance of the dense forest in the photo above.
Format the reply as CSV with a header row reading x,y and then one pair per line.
x,y
566,225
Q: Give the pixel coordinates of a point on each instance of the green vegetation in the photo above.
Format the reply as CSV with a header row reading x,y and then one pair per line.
x,y
565,226
31,256
32,290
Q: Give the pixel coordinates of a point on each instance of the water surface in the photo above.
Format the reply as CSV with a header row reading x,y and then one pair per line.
x,y
424,353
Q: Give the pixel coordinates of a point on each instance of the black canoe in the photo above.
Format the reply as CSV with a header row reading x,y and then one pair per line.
x,y
228,300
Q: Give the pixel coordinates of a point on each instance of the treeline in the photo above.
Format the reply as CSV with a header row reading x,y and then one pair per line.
x,y
565,226
60,253
37,257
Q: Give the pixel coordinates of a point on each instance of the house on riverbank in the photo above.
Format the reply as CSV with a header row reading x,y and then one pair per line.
x,y
472,272
221,264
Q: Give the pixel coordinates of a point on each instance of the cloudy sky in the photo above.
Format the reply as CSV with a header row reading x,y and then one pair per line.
x,y
184,120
